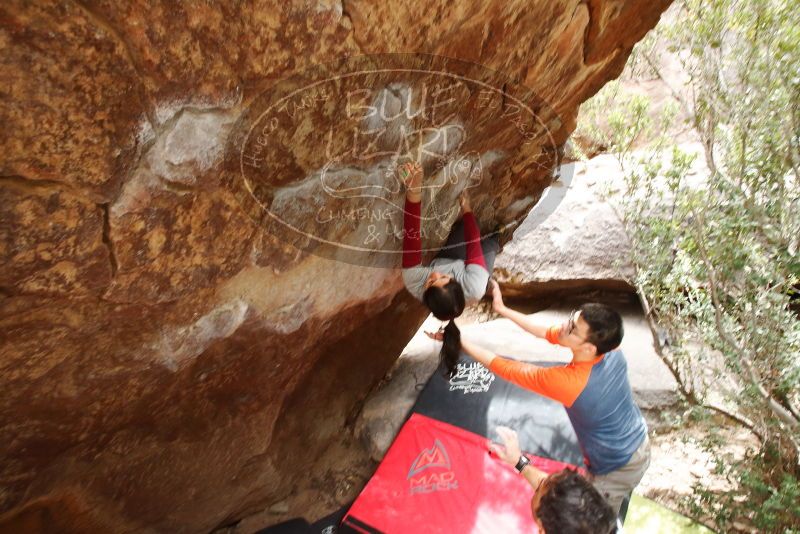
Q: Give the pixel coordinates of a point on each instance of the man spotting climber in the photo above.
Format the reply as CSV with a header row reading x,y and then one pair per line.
x,y
593,388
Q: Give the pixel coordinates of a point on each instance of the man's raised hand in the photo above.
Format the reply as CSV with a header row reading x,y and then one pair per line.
x,y
436,336
509,451
497,298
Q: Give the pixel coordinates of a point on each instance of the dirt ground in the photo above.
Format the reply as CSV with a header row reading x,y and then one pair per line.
x,y
679,461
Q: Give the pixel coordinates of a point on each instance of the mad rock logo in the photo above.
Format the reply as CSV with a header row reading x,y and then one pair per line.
x,y
314,159
431,471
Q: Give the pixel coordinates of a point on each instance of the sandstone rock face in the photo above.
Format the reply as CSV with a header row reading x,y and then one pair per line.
x,y
168,361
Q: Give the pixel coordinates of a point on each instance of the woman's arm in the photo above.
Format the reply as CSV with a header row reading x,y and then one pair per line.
x,y
412,176
412,239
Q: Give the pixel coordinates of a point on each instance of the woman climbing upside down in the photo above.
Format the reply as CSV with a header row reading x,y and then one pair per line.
x,y
457,275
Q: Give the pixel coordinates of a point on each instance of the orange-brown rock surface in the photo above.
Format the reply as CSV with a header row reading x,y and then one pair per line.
x,y
169,361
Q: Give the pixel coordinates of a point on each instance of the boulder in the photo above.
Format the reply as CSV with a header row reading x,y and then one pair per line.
x,y
572,241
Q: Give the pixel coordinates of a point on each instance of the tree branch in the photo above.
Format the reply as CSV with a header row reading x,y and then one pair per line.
x,y
782,413
689,395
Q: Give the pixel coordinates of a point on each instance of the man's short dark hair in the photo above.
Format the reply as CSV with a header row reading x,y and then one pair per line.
x,y
605,326
572,505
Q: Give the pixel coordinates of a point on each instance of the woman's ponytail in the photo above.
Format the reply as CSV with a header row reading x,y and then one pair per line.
x,y
446,303
451,348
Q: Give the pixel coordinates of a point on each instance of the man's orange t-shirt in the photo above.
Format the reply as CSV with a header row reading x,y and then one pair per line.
x,y
598,400
563,384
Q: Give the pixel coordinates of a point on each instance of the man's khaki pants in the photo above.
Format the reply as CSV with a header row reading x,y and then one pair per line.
x,y
617,484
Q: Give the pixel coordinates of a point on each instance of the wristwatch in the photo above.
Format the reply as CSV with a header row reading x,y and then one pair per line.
x,y
523,461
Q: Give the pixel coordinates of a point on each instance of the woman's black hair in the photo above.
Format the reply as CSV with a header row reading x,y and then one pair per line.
x,y
446,303
451,349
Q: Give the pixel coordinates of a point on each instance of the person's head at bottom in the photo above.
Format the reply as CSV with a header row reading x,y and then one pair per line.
x,y
567,503
563,502
444,297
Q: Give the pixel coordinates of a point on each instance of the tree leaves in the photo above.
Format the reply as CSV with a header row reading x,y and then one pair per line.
x,y
717,259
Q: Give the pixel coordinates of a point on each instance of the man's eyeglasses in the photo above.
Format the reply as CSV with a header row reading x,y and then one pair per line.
x,y
571,326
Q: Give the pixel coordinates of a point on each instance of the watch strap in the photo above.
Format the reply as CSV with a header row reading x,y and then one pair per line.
x,y
523,461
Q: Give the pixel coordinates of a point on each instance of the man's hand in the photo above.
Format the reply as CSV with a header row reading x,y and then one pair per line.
x,y
520,319
463,200
497,298
436,336
411,174
509,451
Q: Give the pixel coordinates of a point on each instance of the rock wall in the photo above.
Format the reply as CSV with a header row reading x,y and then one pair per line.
x,y
578,246
169,362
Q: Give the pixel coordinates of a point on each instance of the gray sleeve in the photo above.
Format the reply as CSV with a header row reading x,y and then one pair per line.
x,y
475,280
414,279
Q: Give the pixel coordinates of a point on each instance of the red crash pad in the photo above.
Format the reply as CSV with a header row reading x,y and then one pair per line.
x,y
438,478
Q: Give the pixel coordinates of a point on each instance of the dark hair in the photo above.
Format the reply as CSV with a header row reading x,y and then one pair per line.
x,y
572,505
605,326
446,303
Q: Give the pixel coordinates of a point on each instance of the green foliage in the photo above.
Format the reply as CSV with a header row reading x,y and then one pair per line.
x,y
717,259
770,506
617,120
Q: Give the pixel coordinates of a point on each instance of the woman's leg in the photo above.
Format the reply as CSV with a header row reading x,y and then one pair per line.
x,y
454,248
491,247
